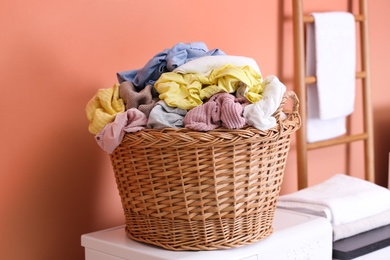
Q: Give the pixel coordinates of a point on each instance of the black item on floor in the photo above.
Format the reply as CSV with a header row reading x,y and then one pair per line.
x,y
361,244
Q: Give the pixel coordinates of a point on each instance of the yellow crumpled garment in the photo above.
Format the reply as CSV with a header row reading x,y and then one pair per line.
x,y
103,107
187,91
181,90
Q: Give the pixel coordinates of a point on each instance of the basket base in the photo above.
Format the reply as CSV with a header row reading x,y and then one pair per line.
x,y
200,235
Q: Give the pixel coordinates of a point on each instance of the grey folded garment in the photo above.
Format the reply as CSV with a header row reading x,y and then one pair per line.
x,y
164,116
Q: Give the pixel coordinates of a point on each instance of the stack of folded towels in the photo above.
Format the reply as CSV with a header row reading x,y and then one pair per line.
x,y
352,205
186,86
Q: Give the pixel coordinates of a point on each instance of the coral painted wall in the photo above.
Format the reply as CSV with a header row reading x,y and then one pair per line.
x,y
55,182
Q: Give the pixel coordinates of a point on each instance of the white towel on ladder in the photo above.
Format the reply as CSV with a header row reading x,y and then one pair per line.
x,y
331,57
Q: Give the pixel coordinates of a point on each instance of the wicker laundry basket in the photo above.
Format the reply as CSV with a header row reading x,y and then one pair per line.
x,y
189,190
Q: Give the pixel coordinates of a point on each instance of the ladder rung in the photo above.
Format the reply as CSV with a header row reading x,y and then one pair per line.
x,y
310,18
313,79
339,140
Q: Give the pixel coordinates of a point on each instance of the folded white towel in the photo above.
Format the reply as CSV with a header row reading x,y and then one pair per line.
x,y
260,114
331,57
204,65
360,226
345,201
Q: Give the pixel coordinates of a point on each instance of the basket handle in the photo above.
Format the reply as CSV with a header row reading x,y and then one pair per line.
x,y
291,115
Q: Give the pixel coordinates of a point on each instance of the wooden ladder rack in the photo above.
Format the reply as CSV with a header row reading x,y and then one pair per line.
x,y
301,80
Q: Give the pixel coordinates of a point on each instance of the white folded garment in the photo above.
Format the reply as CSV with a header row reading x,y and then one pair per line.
x,y
349,203
331,57
260,114
204,65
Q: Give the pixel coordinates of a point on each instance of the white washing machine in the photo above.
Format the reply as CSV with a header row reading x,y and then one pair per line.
x,y
295,236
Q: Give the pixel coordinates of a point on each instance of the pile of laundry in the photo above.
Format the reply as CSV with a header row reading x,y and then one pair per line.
x,y
186,86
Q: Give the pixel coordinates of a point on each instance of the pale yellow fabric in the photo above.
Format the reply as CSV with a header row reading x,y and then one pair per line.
x,y
103,107
187,91
228,77
181,90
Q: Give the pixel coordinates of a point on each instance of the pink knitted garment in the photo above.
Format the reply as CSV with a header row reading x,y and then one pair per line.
x,y
222,109
204,117
232,112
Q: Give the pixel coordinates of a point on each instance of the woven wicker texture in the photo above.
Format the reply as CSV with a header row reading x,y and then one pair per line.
x,y
189,190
